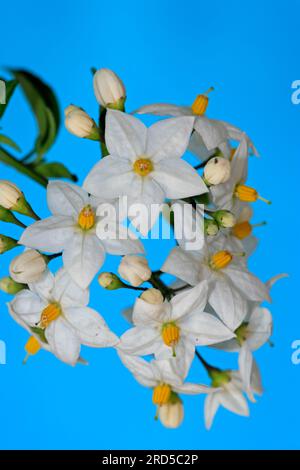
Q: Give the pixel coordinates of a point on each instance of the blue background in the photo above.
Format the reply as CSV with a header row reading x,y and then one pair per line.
x,y
165,51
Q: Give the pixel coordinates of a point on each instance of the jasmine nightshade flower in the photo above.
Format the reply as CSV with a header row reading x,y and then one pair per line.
x,y
75,229
145,164
173,329
55,309
209,134
230,283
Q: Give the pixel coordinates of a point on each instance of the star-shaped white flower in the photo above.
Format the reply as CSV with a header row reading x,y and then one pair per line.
x,y
55,309
145,164
230,283
161,377
173,329
229,394
75,229
209,134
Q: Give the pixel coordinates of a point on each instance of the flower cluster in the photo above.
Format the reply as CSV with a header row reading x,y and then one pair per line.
x,y
215,300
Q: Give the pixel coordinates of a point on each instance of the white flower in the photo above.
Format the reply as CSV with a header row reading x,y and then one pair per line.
x,y
134,269
78,122
75,228
241,233
217,170
108,87
161,377
27,267
9,194
54,308
145,164
230,283
171,414
229,394
209,134
173,329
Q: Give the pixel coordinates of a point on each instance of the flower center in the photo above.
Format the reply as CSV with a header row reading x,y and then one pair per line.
x,y
241,333
201,102
161,394
86,218
143,166
170,335
220,260
49,314
248,194
242,230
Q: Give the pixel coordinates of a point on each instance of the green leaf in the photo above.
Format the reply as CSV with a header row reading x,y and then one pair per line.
x,y
54,170
45,107
10,88
8,141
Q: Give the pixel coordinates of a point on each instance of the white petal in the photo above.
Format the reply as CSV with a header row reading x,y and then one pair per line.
x,y
178,179
145,313
28,306
125,135
259,328
67,292
83,258
51,235
270,283
142,370
90,327
239,164
185,353
44,286
256,383
206,329
248,284
123,242
233,400
212,132
227,303
187,302
162,109
112,177
182,265
166,372
140,340
63,341
65,198
169,138
191,389
211,406
198,148
245,367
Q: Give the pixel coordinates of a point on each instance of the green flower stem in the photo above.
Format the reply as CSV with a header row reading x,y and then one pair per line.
x,y
126,286
157,283
101,125
207,366
9,160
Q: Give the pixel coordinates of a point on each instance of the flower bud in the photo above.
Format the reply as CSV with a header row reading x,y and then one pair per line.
x,y
12,198
8,216
110,281
211,227
172,413
27,267
8,285
217,170
152,296
79,123
225,219
7,243
109,89
134,269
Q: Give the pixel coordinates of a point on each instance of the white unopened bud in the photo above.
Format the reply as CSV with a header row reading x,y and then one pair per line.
x,y
171,414
153,296
134,269
224,218
27,267
8,285
217,170
110,281
109,89
79,123
9,194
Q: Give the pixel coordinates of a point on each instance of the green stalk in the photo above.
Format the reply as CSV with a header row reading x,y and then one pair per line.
x,y
9,160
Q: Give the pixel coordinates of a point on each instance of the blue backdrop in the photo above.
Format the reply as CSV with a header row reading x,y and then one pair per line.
x,y
164,51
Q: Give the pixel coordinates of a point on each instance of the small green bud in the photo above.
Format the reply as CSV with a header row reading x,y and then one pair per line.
x,y
110,281
8,285
211,227
219,377
7,243
241,333
225,219
7,216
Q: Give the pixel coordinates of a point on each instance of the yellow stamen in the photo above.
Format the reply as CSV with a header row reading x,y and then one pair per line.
x,y
201,102
220,260
242,230
143,166
86,218
248,194
171,335
161,394
49,314
31,347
